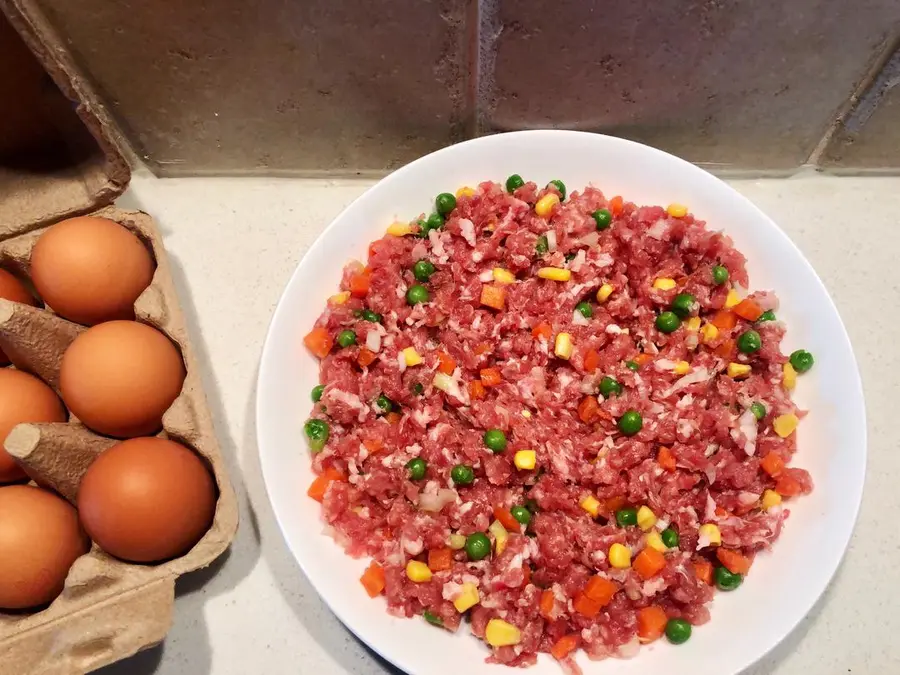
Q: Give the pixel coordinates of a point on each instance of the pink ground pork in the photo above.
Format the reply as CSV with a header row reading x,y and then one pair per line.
x,y
640,392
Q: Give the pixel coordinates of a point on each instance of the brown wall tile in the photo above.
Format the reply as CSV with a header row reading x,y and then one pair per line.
x,y
728,83
312,86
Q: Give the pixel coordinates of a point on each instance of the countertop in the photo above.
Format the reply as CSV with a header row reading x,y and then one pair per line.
x,y
234,243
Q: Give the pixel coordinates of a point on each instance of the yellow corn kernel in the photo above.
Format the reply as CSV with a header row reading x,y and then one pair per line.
x,y
555,273
738,370
411,357
682,368
590,504
456,542
500,536
709,332
646,519
693,324
563,346
654,541
770,498
399,229
498,633
545,204
789,376
339,298
784,425
502,276
712,534
464,191
604,292
525,460
620,556
526,414
468,597
664,284
732,299
418,572
677,210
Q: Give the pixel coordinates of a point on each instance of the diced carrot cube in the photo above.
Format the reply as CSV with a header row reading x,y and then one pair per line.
x,y
373,445
476,390
703,569
359,283
565,646
748,309
643,359
652,622
788,486
733,560
490,377
440,559
591,360
366,357
318,341
772,464
373,580
393,417
446,363
482,348
724,319
665,458
588,409
586,607
542,330
649,563
613,504
320,485
506,519
725,350
616,205
600,590
493,296
548,601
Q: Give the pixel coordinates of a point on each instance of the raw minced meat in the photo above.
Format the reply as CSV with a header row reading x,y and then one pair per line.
x,y
688,447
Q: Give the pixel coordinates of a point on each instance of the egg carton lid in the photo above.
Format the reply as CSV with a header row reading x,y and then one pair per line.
x,y
78,164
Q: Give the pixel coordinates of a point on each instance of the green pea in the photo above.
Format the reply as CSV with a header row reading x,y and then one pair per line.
x,y
749,342
433,619
603,218
317,391
478,546
423,270
317,432
626,517
417,295
683,305
369,315
384,404
445,203
541,246
585,310
631,422
678,631
802,360
726,580
719,275
667,322
495,440
758,410
632,365
670,538
559,185
521,514
462,474
610,386
433,222
418,389
514,182
416,468
346,338
768,315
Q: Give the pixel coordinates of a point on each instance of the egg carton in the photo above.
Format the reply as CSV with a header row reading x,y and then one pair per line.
x,y
109,609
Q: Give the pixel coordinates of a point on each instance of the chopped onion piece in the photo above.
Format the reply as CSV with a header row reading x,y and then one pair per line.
x,y
373,341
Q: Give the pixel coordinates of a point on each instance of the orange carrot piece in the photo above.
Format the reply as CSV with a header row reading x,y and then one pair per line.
x,y
665,458
733,560
643,359
320,485
724,319
651,623
476,390
373,580
748,309
359,283
772,464
591,360
506,519
565,646
586,607
616,205
482,348
788,486
587,409
393,417
366,357
548,601
725,350
373,445
649,563
600,590
446,363
318,341
493,296
703,569
613,504
440,559
542,330
490,377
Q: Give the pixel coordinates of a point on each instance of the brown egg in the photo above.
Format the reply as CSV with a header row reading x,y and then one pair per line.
x,y
40,539
120,377
147,500
23,398
13,289
90,270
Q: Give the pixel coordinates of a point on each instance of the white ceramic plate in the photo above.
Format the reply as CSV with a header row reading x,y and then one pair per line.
x,y
784,584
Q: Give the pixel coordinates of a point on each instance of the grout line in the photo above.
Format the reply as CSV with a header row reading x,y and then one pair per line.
x,y
489,30
473,33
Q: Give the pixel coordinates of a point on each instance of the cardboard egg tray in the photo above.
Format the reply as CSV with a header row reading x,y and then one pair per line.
x,y
109,609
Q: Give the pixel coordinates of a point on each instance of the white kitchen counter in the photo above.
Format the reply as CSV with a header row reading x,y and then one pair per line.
x,y
235,241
